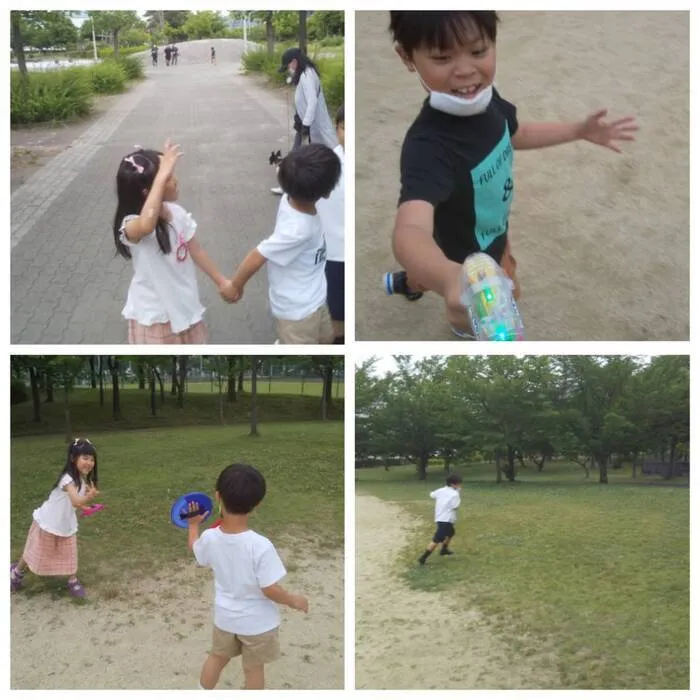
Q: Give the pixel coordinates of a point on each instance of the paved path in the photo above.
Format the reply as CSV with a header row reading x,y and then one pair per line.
x,y
67,284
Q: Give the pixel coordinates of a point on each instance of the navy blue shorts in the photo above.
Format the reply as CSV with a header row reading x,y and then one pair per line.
x,y
335,276
444,530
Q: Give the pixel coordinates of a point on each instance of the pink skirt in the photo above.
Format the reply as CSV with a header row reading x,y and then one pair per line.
x,y
50,555
162,334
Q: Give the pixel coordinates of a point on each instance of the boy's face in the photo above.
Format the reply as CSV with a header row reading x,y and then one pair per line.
x,y
462,70
340,132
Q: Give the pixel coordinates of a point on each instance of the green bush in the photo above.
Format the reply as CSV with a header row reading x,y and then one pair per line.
x,y
108,51
330,41
332,72
18,392
108,78
133,67
50,97
257,61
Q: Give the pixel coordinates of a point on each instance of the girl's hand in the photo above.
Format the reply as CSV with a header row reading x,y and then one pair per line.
x,y
171,153
595,130
229,292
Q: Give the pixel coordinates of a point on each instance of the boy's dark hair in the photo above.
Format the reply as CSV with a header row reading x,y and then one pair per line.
x,y
135,177
441,30
79,446
340,115
241,488
309,173
453,479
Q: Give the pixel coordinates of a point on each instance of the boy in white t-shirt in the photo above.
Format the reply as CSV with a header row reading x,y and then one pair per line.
x,y
447,500
295,253
247,570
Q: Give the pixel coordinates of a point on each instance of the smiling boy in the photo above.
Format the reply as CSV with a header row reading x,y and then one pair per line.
x,y
457,158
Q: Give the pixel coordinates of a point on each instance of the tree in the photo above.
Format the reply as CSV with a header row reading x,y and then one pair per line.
x,y
113,22
254,397
324,23
204,25
302,30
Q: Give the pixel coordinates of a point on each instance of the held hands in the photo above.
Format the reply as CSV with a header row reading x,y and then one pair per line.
x,y
91,492
230,292
597,131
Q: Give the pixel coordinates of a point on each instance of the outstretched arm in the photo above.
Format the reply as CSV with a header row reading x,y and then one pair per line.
x,y
205,263
593,129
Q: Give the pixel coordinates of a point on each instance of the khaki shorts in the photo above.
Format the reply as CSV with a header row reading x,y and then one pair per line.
x,y
254,649
315,329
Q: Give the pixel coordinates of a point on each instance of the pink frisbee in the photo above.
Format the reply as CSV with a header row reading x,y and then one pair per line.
x,y
91,510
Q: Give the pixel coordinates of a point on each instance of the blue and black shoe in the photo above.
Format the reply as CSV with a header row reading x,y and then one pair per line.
x,y
397,283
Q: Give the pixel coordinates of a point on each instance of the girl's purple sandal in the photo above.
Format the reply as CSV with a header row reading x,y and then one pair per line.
x,y
16,578
75,588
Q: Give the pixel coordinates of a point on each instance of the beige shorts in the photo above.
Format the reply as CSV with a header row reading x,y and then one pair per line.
x,y
315,329
254,649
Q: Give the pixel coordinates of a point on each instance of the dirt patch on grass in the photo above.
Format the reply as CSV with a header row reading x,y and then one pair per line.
x,y
155,632
422,640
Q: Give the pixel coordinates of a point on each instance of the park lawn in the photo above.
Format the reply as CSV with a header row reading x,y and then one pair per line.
x,y
200,409
292,388
598,575
142,472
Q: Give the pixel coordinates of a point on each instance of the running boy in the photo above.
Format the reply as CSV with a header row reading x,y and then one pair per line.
x,y
447,501
247,571
457,157
295,253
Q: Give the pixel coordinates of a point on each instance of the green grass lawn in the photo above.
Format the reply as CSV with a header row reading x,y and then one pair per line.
x,y
265,386
597,574
142,472
201,408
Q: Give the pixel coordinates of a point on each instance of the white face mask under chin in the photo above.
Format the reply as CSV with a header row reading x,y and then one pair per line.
x,y
459,106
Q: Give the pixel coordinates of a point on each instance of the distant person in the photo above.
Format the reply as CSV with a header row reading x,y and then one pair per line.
x,y
312,123
153,231
52,543
447,501
168,52
175,52
332,213
295,253
247,571
154,55
213,55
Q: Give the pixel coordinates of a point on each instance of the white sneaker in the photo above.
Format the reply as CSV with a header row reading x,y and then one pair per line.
x,y
276,190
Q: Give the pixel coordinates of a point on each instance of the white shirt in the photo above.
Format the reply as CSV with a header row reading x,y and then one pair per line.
x,y
296,257
310,105
332,213
163,288
57,514
243,564
447,501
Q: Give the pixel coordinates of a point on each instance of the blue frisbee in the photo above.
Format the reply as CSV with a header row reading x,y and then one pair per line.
x,y
179,513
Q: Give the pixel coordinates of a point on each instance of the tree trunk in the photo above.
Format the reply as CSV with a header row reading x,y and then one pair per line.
x,y
603,467
181,383
93,378
18,47
66,413
100,364
540,463
302,30
231,395
49,388
152,389
253,398
422,467
498,468
634,465
141,374
161,384
116,406
115,42
509,471
240,381
270,32
173,376
221,400
36,396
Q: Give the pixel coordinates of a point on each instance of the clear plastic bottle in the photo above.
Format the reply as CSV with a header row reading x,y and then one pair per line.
x,y
488,296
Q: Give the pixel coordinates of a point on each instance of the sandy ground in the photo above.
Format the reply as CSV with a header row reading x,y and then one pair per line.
x,y
421,640
156,634
602,240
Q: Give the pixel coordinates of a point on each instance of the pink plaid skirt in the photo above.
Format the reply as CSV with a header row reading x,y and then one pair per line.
x,y
162,334
50,555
